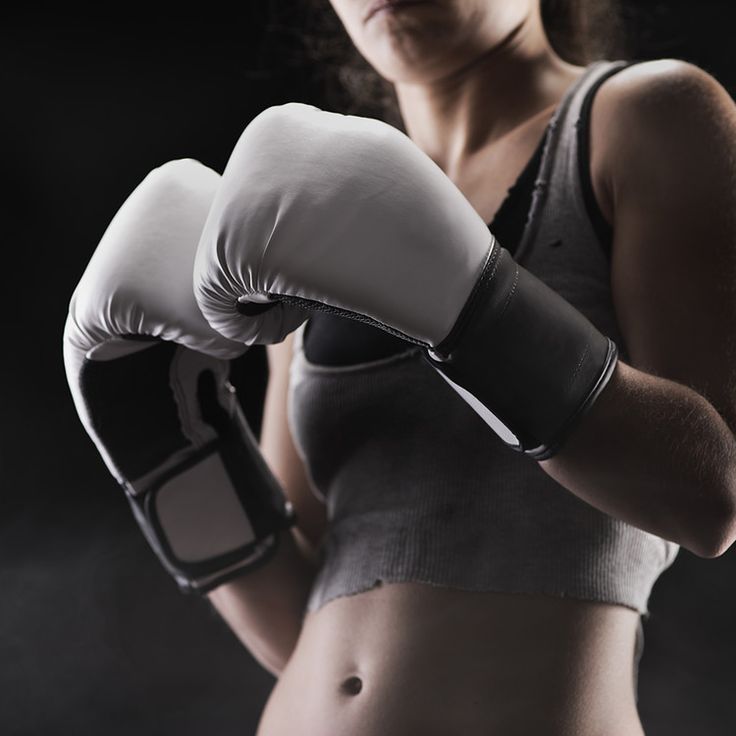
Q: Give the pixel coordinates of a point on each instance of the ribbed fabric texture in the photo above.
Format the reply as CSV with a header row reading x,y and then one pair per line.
x,y
419,489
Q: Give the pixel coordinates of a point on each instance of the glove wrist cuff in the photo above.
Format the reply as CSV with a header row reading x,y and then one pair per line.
x,y
526,360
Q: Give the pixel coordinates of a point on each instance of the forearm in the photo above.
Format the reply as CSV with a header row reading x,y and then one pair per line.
x,y
656,454
264,608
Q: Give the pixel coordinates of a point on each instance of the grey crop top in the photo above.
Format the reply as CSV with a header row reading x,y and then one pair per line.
x,y
417,487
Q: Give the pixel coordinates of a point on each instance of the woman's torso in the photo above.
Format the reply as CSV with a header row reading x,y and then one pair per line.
x,y
406,658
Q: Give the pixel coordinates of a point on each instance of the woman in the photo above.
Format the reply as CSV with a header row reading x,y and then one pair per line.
x,y
451,585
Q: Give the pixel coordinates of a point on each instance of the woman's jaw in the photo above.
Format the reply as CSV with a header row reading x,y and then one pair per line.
x,y
423,41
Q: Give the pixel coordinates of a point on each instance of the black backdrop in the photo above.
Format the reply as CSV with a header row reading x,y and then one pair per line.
x,y
94,637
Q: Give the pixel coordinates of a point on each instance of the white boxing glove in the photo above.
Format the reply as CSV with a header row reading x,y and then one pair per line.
x,y
318,210
149,379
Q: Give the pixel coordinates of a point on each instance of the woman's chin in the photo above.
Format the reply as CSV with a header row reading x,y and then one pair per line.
x,y
411,57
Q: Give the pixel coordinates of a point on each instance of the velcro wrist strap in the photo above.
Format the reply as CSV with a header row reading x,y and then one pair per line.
x,y
216,514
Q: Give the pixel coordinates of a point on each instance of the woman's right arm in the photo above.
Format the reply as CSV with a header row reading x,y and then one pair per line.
x,y
264,608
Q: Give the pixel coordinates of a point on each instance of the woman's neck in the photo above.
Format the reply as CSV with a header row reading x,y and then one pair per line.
x,y
453,117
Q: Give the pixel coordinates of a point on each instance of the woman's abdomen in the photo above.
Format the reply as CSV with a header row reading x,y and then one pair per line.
x,y
409,658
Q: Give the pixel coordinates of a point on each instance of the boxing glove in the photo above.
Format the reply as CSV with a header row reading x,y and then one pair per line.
x,y
324,211
149,379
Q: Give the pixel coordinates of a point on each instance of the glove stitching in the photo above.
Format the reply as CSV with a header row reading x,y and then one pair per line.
x,y
579,365
488,273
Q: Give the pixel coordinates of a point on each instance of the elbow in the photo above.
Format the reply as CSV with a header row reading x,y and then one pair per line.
x,y
717,528
716,546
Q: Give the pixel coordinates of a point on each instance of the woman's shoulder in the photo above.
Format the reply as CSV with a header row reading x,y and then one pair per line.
x,y
664,71
652,90
650,111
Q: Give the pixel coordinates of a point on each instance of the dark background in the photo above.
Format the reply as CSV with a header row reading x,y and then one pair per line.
x,y
94,636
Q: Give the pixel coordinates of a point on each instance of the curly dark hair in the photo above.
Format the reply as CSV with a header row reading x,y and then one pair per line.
x,y
580,31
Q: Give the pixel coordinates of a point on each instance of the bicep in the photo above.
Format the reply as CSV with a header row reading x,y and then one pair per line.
x,y
672,183
279,450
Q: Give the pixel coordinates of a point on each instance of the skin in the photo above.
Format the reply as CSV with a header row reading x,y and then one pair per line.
x,y
477,83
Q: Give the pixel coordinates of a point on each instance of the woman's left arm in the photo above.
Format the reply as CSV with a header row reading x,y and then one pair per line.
x,y
658,448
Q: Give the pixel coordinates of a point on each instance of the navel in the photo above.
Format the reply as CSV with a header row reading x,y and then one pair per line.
x,y
351,685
